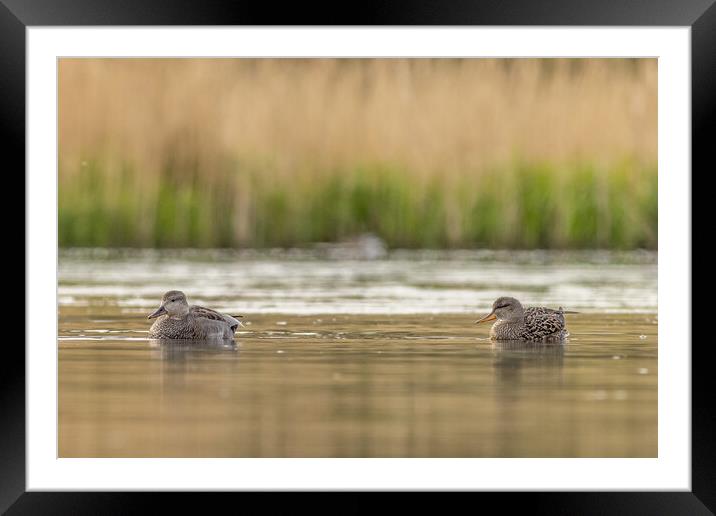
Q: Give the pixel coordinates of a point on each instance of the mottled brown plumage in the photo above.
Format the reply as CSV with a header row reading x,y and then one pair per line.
x,y
513,322
177,320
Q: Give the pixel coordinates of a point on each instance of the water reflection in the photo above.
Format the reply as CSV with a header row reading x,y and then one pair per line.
x,y
527,377
181,350
184,366
514,359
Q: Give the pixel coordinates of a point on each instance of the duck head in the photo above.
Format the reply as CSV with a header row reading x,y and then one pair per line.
x,y
505,309
173,304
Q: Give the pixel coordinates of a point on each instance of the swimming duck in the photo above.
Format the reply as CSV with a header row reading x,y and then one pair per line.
x,y
530,324
177,320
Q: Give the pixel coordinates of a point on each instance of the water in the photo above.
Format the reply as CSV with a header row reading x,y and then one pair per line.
x,y
357,358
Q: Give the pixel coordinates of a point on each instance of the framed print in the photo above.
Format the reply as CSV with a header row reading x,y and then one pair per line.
x,y
267,249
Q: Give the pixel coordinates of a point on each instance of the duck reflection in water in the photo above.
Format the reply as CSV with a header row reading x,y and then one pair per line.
x,y
190,368
182,350
515,361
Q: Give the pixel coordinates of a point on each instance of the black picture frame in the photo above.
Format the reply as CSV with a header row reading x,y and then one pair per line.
x,y
17,15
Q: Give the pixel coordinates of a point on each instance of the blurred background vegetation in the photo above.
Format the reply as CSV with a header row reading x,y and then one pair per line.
x,y
432,153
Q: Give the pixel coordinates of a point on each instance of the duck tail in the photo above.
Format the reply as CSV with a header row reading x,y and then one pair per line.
x,y
563,311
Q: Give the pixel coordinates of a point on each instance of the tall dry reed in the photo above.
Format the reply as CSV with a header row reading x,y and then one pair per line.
x,y
424,152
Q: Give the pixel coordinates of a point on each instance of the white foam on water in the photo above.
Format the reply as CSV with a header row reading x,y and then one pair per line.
x,y
461,282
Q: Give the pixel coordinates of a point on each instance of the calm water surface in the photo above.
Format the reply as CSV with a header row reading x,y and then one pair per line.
x,y
396,369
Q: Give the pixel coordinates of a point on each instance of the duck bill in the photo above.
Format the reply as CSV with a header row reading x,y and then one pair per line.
x,y
160,311
490,317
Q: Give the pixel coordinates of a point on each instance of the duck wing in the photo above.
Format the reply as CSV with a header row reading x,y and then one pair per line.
x,y
543,322
208,313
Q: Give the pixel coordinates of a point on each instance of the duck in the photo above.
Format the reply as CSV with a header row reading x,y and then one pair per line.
x,y
537,323
176,319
